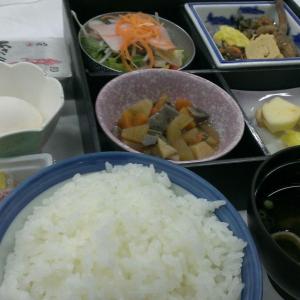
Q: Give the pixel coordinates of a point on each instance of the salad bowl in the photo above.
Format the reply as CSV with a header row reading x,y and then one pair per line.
x,y
104,53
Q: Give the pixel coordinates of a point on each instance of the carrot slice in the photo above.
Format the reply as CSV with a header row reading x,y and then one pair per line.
x,y
126,120
181,103
139,119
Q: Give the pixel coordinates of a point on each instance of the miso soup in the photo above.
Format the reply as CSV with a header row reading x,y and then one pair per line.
x,y
280,213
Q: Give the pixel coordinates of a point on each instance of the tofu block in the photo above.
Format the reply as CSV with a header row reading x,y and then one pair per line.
x,y
279,115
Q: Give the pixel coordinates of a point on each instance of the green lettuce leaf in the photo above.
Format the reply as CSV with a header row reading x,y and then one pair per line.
x,y
114,63
93,47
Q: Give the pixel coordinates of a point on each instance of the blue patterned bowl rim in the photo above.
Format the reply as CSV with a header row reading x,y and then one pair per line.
x,y
52,175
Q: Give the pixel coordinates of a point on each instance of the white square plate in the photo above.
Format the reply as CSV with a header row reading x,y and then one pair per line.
x,y
208,16
250,101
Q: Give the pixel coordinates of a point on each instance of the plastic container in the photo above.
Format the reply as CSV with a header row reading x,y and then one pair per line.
x,y
15,170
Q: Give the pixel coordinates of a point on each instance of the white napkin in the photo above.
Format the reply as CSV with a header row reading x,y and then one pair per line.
x,y
33,19
30,19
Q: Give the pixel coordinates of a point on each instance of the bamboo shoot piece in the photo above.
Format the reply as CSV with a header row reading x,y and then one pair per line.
x,y
164,149
174,157
136,146
210,131
185,110
182,120
202,150
142,107
174,136
135,134
193,136
183,149
173,132
212,142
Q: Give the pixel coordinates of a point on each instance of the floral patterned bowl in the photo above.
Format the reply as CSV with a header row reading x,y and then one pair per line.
x,y
126,89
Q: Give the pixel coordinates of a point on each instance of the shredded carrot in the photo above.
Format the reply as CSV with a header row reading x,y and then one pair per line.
x,y
136,29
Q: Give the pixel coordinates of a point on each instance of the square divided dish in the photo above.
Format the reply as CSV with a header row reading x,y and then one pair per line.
x,y
207,17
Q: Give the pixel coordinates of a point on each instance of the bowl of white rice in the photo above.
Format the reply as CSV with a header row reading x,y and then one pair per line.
x,y
119,225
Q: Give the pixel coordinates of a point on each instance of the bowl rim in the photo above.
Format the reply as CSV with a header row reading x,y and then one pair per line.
x,y
254,206
46,78
187,179
212,48
108,132
187,63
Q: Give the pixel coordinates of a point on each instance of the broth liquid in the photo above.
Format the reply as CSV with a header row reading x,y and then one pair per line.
x,y
280,212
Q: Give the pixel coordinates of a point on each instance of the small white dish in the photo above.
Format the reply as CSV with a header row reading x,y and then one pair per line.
x,y
27,81
208,16
250,101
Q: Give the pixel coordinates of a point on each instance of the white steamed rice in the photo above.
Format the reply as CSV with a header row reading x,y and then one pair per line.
x,y
123,234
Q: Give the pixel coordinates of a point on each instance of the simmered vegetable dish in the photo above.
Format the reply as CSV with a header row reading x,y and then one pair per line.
x,y
257,38
175,131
